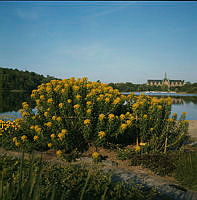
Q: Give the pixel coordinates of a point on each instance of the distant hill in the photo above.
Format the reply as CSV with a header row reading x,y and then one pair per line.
x,y
14,79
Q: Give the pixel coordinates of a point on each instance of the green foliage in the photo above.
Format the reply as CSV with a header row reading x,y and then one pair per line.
x,y
189,88
11,101
74,114
125,153
186,169
22,180
161,164
13,79
182,165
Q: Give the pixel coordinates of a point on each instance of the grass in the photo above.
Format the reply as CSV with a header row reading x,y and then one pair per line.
x,y
186,170
35,179
180,165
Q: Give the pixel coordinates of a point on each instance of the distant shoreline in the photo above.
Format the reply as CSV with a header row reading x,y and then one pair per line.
x,y
160,92
165,92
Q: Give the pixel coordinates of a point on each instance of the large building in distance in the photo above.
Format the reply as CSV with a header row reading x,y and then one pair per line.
x,y
166,82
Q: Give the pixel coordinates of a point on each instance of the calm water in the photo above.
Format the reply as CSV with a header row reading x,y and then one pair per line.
x,y
10,103
181,103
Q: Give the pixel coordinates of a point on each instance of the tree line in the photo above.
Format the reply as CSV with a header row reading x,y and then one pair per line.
x,y
131,87
14,79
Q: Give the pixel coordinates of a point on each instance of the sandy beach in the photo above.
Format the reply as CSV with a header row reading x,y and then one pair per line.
x,y
193,128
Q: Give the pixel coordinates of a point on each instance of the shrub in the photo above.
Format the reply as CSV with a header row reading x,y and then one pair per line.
x,y
8,131
154,127
74,114
35,179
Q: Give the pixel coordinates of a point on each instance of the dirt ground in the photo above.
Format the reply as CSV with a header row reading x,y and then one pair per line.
x,y
193,128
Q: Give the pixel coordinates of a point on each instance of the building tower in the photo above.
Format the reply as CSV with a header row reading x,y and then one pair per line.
x,y
166,82
165,76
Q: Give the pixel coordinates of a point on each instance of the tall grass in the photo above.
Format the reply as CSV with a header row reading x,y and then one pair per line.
x,y
37,180
186,170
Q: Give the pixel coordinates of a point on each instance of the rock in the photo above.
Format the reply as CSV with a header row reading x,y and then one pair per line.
x,y
165,188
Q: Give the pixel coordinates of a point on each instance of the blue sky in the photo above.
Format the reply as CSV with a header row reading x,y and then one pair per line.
x,y
107,41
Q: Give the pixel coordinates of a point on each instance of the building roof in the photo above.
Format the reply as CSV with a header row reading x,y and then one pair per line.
x,y
176,80
168,80
155,80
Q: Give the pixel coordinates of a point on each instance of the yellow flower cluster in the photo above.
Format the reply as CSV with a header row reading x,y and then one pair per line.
x,y
24,138
170,120
54,118
89,103
78,97
145,116
61,105
24,113
86,122
138,146
50,100
88,111
25,105
46,114
77,106
95,155
59,119
116,101
48,124
123,126
101,117
122,116
8,126
69,101
174,114
52,136
36,128
36,137
59,153
111,116
101,134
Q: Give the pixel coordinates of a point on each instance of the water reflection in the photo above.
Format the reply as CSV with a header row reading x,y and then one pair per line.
x,y
11,101
188,99
182,99
181,103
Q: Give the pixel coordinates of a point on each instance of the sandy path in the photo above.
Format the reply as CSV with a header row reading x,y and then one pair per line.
x,y
193,128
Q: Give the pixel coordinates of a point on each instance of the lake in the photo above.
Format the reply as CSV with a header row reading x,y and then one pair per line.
x,y
10,103
181,103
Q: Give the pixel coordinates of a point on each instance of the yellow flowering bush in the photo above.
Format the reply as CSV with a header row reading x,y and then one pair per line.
x,y
74,113
7,136
154,125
